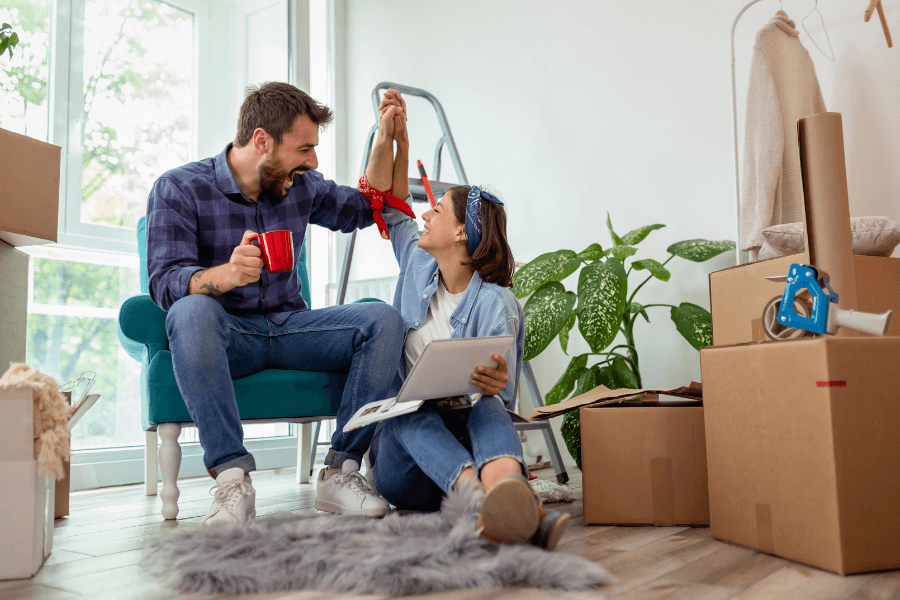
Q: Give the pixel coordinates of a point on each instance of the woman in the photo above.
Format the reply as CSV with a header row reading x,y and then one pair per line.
x,y
454,280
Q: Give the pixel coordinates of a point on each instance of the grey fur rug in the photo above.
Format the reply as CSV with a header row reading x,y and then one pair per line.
x,y
398,555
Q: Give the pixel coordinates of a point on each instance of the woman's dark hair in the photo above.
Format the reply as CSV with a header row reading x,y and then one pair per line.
x,y
274,106
493,258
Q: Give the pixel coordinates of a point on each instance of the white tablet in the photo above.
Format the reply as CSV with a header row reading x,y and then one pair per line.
x,y
444,369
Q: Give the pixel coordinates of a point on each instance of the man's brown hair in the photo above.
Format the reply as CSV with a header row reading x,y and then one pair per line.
x,y
493,258
274,106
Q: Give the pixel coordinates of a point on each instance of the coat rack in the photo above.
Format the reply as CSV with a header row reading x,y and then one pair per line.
x,y
873,6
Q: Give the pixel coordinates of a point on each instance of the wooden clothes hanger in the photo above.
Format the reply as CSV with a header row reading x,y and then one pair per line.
x,y
876,4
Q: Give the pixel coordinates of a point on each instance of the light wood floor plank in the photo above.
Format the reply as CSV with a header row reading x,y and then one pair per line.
x,y
799,582
882,586
36,592
647,563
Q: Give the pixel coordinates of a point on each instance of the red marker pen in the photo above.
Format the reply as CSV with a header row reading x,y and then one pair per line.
x,y
427,185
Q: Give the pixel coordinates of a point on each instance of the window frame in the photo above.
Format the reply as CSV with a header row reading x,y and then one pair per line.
x,y
66,96
104,244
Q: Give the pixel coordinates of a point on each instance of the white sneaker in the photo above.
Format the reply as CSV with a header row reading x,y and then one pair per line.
x,y
235,498
370,474
346,492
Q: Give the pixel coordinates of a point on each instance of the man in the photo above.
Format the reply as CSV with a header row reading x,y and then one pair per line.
x,y
228,318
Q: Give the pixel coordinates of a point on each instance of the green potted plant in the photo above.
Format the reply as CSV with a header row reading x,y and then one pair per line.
x,y
602,307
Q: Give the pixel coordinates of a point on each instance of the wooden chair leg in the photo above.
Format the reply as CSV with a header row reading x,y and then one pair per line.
x,y
304,439
151,474
169,463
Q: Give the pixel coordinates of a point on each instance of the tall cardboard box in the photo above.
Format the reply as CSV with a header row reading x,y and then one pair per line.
x,y
644,463
29,196
27,501
737,296
13,305
803,449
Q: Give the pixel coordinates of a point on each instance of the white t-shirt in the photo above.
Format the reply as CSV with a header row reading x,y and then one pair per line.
x,y
436,325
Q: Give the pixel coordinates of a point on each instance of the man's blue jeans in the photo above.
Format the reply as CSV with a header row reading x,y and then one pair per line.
x,y
419,456
210,347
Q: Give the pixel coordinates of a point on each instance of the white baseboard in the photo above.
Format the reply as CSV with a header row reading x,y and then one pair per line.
x,y
121,466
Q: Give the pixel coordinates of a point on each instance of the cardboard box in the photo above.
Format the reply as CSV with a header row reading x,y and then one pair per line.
x,y
13,305
26,504
738,295
803,443
61,493
29,196
644,463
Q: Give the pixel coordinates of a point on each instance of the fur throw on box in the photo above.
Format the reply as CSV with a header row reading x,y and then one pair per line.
x,y
400,554
51,414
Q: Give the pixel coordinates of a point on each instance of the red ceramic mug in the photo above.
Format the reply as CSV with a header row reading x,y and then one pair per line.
x,y
277,249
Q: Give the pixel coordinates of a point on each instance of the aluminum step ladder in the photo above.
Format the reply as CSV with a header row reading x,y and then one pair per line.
x,y
417,190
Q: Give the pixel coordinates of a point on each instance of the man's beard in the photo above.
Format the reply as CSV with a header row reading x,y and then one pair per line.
x,y
273,175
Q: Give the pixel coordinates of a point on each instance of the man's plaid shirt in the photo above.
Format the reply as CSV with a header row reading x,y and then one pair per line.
x,y
196,215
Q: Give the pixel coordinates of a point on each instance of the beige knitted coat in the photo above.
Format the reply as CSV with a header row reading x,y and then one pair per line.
x,y
783,88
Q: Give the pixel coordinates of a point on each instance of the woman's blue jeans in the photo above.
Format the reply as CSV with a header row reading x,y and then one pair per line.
x,y
419,456
210,347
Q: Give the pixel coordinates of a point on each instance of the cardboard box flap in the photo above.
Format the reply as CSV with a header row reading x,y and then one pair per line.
x,y
602,395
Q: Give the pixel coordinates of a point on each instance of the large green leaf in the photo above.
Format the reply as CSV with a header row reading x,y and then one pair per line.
x,y
553,266
622,375
545,312
694,323
700,250
612,234
567,381
602,287
564,332
638,235
571,434
637,308
622,252
587,381
591,253
655,268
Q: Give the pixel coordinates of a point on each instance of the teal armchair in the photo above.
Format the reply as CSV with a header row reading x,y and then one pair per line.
x,y
272,395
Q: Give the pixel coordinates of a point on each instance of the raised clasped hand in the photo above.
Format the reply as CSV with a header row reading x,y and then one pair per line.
x,y
397,129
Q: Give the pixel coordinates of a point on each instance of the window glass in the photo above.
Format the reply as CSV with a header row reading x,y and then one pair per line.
x,y
23,78
138,97
72,328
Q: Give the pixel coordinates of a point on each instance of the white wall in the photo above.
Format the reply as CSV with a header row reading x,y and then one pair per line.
x,y
585,107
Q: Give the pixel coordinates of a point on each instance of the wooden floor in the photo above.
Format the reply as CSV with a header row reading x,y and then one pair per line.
x,y
97,550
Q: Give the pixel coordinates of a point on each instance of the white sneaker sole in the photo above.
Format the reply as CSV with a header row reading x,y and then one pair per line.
x,y
362,512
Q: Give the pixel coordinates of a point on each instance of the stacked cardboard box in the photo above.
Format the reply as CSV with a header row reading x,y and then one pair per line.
x,y
27,502
803,436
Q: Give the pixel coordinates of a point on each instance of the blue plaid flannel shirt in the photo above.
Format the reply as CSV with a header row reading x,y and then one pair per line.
x,y
196,215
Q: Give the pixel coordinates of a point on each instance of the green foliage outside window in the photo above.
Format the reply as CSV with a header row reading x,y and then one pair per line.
x,y
63,346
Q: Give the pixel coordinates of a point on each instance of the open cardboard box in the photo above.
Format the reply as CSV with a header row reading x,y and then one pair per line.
x,y
642,463
63,485
28,499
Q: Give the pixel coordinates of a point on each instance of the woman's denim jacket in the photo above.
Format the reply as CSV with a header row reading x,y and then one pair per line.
x,y
486,308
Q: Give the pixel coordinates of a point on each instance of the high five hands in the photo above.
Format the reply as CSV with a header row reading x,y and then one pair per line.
x,y
392,117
